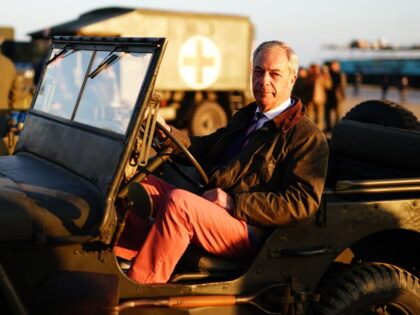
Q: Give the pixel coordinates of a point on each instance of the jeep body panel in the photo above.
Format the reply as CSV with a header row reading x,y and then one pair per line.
x,y
45,201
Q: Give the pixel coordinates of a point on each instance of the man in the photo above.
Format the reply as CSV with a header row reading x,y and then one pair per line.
x,y
10,93
335,96
319,83
272,176
301,88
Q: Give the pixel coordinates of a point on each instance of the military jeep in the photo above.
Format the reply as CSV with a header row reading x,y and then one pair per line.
x,y
66,190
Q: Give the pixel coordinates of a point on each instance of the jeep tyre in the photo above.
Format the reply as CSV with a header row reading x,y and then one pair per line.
x,y
384,113
207,117
368,288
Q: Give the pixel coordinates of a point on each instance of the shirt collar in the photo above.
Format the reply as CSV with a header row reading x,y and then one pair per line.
x,y
273,112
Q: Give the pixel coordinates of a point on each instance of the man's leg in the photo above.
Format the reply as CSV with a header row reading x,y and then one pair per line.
x,y
338,111
136,229
327,115
182,218
320,115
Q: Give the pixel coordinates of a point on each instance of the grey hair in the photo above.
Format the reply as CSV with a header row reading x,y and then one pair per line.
x,y
293,63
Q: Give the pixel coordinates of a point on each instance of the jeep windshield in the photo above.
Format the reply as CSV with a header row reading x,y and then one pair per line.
x,y
104,100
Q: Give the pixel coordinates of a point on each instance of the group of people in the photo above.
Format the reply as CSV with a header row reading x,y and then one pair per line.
x,y
401,84
322,90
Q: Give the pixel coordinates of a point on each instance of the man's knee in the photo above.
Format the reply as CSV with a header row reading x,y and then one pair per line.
x,y
176,200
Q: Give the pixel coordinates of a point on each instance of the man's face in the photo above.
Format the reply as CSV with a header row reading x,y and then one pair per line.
x,y
271,80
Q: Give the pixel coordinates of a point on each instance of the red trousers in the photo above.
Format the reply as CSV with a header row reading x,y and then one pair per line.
x,y
181,218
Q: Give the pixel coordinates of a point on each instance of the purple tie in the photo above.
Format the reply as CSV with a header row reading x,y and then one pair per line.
x,y
240,142
252,126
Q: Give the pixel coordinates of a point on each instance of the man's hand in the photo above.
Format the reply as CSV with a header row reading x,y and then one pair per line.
x,y
220,198
161,135
162,121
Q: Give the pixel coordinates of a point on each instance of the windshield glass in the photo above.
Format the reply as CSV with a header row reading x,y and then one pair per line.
x,y
110,96
62,82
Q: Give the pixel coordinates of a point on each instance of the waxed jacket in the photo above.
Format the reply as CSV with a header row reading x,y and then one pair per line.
x,y
278,178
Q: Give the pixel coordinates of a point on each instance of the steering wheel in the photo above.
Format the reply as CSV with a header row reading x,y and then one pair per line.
x,y
186,153
161,157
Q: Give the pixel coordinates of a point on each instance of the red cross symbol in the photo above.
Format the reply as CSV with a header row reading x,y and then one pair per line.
x,y
199,61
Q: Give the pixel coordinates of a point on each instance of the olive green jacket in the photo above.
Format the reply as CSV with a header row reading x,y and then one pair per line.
x,y
278,178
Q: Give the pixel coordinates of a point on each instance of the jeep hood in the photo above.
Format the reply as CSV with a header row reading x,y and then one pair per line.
x,y
41,201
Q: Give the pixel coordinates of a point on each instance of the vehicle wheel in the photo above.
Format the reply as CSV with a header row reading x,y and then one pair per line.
x,y
374,288
207,118
384,113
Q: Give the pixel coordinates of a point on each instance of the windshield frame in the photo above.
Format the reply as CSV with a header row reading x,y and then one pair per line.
x,y
110,46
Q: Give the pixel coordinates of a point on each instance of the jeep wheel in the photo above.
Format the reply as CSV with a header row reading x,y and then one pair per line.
x,y
207,118
384,113
374,288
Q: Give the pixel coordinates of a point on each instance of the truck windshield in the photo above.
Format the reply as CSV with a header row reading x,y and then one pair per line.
x,y
106,100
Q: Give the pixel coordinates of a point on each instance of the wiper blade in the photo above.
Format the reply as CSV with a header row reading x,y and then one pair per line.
x,y
61,54
57,55
105,64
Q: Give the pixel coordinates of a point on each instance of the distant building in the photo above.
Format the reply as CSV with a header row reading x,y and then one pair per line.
x,y
375,60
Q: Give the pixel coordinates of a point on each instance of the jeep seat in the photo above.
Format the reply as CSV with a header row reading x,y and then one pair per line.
x,y
368,151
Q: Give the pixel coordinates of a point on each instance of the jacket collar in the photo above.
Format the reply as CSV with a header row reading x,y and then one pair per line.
x,y
287,119
290,117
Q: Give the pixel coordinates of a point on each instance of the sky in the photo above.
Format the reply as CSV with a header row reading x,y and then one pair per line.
x,y
306,25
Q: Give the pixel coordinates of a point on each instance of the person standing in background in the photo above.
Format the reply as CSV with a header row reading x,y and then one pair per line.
x,y
402,88
9,94
318,84
301,88
384,87
335,96
357,82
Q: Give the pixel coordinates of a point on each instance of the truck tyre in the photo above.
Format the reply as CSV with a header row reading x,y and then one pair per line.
x,y
384,113
368,288
207,117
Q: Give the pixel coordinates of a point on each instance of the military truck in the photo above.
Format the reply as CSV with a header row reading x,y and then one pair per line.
x,y
206,69
66,191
